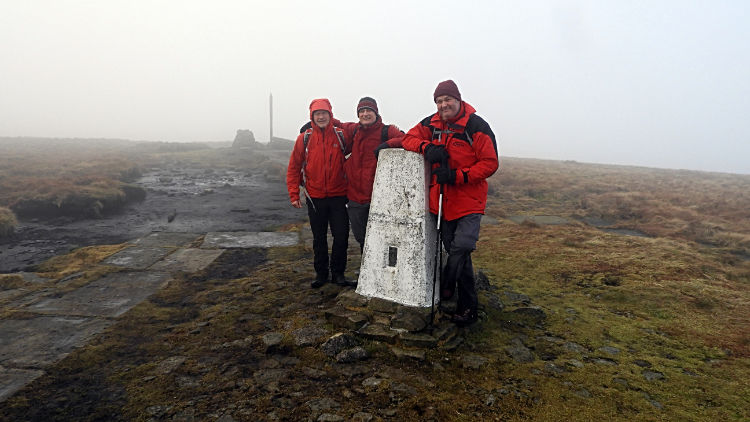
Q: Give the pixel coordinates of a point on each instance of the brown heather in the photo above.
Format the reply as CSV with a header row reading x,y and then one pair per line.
x,y
707,208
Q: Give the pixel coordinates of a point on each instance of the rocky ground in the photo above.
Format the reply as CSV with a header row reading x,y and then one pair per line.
x,y
200,200
247,339
576,324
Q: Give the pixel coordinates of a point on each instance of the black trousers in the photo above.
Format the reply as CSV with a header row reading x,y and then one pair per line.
x,y
460,240
358,214
329,212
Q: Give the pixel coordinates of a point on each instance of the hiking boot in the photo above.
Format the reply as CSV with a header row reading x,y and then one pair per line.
x,y
354,283
339,280
465,318
320,280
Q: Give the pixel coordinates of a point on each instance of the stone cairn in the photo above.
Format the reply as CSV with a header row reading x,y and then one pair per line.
x,y
403,327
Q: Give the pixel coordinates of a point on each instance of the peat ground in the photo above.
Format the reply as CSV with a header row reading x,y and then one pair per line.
x,y
578,324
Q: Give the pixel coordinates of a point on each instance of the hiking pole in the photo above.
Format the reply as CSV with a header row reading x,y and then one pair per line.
x,y
307,195
438,253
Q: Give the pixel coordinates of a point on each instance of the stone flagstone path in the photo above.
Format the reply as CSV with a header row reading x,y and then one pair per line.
x,y
60,324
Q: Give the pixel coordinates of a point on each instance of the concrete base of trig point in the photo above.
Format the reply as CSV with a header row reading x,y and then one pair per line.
x,y
397,263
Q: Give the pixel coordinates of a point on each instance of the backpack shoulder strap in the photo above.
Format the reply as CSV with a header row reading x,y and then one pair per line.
x,y
341,138
384,133
305,138
478,124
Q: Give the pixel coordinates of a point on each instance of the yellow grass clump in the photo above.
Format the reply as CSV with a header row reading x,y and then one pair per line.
x,y
7,222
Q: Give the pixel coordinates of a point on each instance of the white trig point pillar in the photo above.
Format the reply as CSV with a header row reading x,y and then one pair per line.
x,y
399,253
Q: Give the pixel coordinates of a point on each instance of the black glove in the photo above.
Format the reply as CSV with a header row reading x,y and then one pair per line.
x,y
445,175
436,154
382,145
307,125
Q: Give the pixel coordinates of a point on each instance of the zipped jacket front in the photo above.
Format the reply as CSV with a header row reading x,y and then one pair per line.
x,y
321,160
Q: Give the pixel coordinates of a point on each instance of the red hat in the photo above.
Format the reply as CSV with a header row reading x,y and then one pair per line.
x,y
447,88
367,102
321,104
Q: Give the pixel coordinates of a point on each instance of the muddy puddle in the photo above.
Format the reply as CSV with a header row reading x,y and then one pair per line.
x,y
196,200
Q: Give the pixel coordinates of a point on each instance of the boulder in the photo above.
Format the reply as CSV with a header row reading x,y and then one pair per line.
x,y
345,318
381,305
419,355
352,355
380,333
421,340
308,335
410,319
272,341
520,354
337,343
531,311
350,299
246,139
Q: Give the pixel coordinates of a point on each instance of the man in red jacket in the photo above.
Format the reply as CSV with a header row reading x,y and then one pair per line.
x,y
317,164
368,136
463,151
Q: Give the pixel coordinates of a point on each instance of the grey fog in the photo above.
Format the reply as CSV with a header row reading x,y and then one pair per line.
x,y
645,83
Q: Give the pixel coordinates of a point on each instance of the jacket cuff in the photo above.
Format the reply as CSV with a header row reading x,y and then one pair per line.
x,y
422,146
394,143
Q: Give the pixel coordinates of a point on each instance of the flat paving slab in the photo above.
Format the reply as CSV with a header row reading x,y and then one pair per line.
x,y
539,219
137,257
188,260
249,239
12,380
41,341
110,296
25,298
167,239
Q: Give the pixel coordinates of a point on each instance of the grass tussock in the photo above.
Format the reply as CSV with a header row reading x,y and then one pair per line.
x,y
8,222
80,260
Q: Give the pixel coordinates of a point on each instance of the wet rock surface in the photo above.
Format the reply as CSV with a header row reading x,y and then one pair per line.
x,y
170,187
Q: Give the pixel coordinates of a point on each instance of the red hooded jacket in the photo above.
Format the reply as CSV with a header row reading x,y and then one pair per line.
x,y
474,160
361,165
322,162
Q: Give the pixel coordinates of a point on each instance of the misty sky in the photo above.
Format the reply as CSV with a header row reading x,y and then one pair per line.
x,y
647,83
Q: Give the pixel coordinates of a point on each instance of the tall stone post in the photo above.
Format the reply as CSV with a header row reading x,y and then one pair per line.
x,y
399,253
270,110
